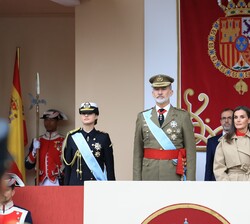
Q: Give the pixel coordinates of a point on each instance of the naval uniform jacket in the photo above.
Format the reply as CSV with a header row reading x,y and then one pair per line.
x,y
211,147
76,170
50,163
232,161
179,129
10,213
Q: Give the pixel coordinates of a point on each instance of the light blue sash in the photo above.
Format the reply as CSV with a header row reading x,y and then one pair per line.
x,y
158,133
161,137
89,157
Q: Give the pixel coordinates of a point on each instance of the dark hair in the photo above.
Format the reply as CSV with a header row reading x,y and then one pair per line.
x,y
226,109
232,130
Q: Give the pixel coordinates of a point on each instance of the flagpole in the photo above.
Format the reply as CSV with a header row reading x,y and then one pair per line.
x,y
18,66
37,125
18,56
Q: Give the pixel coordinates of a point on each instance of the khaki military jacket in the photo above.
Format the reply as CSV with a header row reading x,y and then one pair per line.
x,y
179,129
232,161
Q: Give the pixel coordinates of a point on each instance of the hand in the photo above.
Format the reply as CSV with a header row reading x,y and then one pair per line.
x,y
36,146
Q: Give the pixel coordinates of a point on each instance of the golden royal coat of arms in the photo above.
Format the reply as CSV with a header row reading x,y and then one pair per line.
x,y
230,35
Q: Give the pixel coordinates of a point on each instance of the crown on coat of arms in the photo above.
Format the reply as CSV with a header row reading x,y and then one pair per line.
x,y
234,9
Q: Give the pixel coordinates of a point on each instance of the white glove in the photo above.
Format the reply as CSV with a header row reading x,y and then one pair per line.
x,y
36,146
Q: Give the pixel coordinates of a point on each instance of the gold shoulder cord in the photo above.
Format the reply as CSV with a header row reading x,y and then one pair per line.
x,y
77,156
63,149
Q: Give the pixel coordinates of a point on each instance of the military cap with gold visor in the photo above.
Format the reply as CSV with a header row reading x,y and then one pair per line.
x,y
161,80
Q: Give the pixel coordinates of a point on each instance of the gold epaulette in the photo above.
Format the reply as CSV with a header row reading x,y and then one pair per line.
x,y
180,109
73,131
147,110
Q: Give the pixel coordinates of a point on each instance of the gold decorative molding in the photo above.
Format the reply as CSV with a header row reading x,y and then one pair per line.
x,y
205,130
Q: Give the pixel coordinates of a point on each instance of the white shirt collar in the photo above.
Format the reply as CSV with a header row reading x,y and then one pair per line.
x,y
166,108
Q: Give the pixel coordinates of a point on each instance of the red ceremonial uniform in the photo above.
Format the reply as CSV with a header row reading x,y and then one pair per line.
x,y
10,213
50,164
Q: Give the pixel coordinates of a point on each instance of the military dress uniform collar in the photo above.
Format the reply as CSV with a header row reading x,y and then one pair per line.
x,y
51,135
90,134
6,207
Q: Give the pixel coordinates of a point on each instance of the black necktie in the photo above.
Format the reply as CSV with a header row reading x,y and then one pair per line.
x,y
161,116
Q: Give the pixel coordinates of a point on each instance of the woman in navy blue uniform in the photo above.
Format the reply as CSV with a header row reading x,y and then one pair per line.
x,y
87,152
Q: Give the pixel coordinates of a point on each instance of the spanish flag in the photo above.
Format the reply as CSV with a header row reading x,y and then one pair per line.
x,y
17,138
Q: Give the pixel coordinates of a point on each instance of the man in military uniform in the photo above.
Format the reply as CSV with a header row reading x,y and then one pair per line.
x,y
49,147
9,212
88,153
164,143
